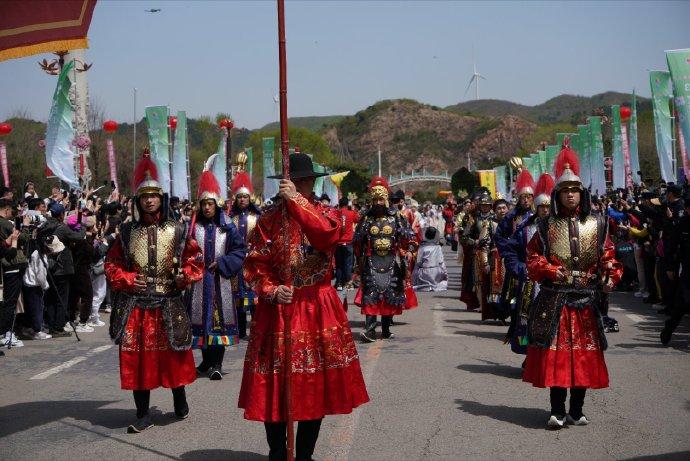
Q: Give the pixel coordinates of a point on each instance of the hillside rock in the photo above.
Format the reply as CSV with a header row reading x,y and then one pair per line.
x,y
415,136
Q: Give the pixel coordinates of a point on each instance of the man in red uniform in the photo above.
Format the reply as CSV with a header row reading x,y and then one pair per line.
x,y
324,368
572,259
148,266
343,253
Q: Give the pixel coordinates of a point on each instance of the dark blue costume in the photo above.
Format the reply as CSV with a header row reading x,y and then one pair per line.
x,y
245,221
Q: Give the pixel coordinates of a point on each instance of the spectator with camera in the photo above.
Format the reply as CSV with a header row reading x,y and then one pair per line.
x,y
13,266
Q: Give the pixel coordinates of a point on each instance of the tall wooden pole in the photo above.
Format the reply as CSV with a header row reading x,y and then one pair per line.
x,y
285,155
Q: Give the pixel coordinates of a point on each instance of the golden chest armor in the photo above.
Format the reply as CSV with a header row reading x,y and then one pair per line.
x,y
381,235
152,253
573,243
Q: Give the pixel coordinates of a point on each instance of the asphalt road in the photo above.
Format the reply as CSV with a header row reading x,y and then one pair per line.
x,y
445,388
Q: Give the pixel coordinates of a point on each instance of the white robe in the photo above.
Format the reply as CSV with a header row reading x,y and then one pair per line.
x,y
430,272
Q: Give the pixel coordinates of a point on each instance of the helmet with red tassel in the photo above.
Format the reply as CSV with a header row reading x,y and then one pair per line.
x,y
543,190
242,184
566,168
146,176
524,183
209,189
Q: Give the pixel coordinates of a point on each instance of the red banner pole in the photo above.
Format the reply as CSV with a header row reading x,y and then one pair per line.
x,y
285,156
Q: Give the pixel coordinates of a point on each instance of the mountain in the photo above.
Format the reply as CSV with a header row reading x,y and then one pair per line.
x,y
561,109
311,123
416,136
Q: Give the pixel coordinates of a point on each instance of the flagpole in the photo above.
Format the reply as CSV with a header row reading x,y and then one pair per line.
x,y
134,138
285,153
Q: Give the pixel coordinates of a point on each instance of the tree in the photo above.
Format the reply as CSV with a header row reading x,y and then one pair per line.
x,y
463,179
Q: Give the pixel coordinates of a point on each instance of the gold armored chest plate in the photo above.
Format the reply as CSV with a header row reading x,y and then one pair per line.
x,y
152,253
573,243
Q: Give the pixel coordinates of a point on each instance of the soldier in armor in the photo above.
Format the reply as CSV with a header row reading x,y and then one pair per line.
x,y
149,265
468,294
572,258
514,260
244,214
515,263
383,244
478,236
325,374
210,300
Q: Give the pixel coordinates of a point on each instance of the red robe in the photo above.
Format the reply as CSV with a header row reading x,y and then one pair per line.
x,y
326,375
146,359
575,357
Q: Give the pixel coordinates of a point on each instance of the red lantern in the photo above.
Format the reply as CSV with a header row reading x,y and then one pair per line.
x,y
226,123
625,113
5,128
110,126
172,121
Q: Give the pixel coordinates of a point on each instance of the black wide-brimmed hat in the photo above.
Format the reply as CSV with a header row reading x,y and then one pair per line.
x,y
301,167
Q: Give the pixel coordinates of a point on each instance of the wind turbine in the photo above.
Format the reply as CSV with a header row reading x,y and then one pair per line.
x,y
475,78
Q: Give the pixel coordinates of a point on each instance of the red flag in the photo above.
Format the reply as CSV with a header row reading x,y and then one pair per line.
x,y
30,27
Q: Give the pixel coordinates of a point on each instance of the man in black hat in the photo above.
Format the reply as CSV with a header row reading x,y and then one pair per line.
x,y
325,200
289,268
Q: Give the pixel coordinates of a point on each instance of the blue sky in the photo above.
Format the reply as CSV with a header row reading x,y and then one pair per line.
x,y
221,56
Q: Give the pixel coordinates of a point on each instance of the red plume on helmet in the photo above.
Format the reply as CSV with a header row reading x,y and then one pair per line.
x,y
242,184
379,181
146,175
524,183
543,189
209,189
566,167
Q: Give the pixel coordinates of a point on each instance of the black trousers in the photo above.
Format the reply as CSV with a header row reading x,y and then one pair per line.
x,y
678,308
577,400
80,296
33,307
56,302
212,356
649,274
12,288
307,435
343,264
386,322
142,399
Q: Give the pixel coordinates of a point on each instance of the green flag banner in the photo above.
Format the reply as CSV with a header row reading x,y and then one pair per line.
x,y
660,83
250,161
159,142
597,156
270,185
585,155
618,165
60,153
634,150
536,165
551,153
501,186
679,65
180,159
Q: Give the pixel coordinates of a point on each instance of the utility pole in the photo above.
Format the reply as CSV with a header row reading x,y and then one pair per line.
x,y
379,155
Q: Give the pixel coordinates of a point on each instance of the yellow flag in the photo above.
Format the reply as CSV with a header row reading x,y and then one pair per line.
x,y
487,178
338,178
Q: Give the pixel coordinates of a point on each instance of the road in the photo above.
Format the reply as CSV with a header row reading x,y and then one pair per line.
x,y
445,388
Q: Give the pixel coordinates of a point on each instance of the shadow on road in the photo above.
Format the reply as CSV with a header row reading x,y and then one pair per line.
x,y
499,335
22,416
495,369
530,418
226,455
678,455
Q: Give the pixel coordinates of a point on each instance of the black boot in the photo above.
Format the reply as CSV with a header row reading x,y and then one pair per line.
x,y
180,402
577,401
205,363
307,434
216,353
386,322
557,396
143,422
276,435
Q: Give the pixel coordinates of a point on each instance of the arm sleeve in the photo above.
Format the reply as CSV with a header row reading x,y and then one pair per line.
x,y
261,264
512,260
538,267
115,268
192,263
608,264
321,231
231,263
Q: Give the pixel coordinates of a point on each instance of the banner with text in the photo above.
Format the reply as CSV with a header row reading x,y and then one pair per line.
x,y
159,142
660,83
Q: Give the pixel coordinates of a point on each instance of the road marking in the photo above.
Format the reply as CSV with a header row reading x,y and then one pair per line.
x,y
615,309
70,363
439,326
340,442
635,318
